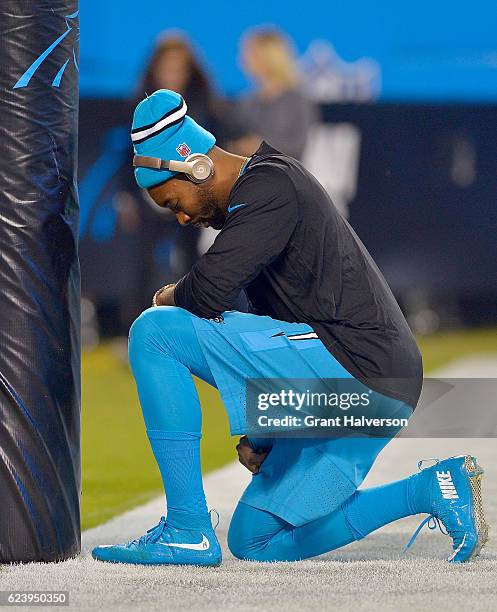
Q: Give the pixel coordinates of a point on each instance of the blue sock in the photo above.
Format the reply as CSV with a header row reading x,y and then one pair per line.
x,y
178,455
420,491
370,509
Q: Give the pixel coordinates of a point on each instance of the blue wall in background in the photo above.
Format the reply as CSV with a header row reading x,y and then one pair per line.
x,y
428,50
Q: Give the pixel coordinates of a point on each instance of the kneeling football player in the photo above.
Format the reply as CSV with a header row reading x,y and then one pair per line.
x,y
319,308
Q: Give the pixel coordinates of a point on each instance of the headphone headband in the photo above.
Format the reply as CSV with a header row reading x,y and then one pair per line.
x,y
154,163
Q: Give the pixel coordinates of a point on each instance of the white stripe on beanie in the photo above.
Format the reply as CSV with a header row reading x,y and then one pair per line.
x,y
160,125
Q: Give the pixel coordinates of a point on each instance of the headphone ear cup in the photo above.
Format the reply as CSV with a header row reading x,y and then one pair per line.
x,y
202,168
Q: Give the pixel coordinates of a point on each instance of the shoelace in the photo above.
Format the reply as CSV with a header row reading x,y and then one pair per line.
x,y
432,521
421,461
154,533
435,522
217,516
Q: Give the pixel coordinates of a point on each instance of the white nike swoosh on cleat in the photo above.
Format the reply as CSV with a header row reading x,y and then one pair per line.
x,y
203,545
457,549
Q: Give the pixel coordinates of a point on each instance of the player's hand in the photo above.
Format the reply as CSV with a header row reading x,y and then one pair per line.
x,y
164,296
248,457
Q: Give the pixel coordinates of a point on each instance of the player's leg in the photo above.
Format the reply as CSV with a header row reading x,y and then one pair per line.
x,y
449,491
258,535
164,352
303,487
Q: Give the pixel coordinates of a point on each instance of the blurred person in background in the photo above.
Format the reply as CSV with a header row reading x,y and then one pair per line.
x,y
278,111
175,65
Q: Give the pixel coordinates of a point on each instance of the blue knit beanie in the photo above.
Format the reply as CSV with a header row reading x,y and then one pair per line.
x,y
161,128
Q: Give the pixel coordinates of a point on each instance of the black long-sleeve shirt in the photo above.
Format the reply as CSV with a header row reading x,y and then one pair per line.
x,y
298,260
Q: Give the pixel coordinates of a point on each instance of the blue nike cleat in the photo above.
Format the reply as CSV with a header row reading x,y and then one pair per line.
x,y
456,503
165,545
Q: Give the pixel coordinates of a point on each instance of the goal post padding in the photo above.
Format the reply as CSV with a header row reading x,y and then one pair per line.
x,y
40,454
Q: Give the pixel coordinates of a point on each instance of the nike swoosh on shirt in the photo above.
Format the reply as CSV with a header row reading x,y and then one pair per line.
x,y
233,207
203,545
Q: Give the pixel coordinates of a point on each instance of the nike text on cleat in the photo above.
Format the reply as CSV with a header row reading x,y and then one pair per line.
x,y
456,503
165,545
446,485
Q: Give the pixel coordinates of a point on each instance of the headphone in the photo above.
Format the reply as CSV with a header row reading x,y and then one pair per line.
x,y
197,166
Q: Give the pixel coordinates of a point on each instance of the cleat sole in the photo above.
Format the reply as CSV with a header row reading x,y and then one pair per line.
x,y
475,475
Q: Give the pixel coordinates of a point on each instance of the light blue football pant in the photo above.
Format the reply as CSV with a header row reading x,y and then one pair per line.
x,y
165,352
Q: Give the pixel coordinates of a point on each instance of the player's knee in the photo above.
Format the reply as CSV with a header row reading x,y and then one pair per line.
x,y
155,320
237,544
154,327
240,544
142,328
244,550
143,331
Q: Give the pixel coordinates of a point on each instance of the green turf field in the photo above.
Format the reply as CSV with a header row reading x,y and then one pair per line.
x,y
118,468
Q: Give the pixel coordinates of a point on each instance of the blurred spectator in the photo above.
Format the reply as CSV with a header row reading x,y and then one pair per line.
x,y
174,65
278,111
